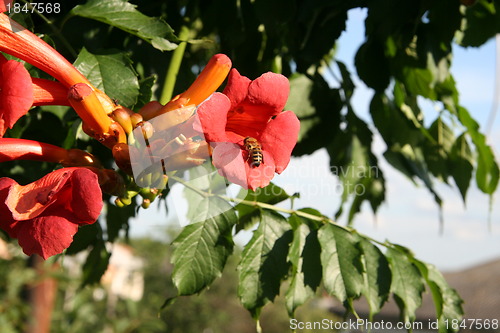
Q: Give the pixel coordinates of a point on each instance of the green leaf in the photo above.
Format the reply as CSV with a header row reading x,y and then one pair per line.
x,y
105,71
437,151
411,162
377,277
461,160
372,65
96,264
145,91
263,262
305,273
407,284
201,250
124,15
318,108
341,261
482,22
487,172
446,300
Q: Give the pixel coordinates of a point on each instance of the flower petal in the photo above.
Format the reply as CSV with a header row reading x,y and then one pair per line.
x,y
279,138
46,235
86,197
7,223
16,95
269,89
260,176
212,116
227,158
29,201
237,87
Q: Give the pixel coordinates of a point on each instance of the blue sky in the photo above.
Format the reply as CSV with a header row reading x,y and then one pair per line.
x,y
409,217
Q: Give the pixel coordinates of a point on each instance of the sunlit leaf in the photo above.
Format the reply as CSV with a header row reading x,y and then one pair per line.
x,y
407,283
201,251
305,278
263,262
341,261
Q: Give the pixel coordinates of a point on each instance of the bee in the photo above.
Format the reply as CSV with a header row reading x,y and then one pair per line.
x,y
254,151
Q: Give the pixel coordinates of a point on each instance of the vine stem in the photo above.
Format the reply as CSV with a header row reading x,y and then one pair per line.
x,y
322,219
173,68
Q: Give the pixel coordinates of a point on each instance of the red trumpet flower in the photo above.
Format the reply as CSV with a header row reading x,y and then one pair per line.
x,y
45,215
250,109
20,42
19,92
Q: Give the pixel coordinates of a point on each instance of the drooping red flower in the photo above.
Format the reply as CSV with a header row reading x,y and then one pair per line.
x,y
16,93
45,215
253,109
19,92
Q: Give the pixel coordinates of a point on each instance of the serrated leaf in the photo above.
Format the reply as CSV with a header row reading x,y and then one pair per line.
x,y
201,250
446,300
377,276
104,71
304,282
340,258
407,284
263,262
124,15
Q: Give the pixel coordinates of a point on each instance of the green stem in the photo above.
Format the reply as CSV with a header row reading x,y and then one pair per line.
x,y
173,68
264,205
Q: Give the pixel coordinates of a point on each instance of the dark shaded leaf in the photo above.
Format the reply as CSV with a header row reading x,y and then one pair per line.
x,y
105,70
124,16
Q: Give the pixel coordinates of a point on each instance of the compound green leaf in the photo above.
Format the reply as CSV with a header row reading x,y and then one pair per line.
x,y
201,250
304,253
407,284
446,300
263,262
124,15
340,258
377,276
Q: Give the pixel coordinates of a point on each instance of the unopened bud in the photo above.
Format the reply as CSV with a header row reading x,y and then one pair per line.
x,y
122,116
136,118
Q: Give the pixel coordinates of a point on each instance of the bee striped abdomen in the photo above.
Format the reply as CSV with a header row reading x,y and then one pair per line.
x,y
254,151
